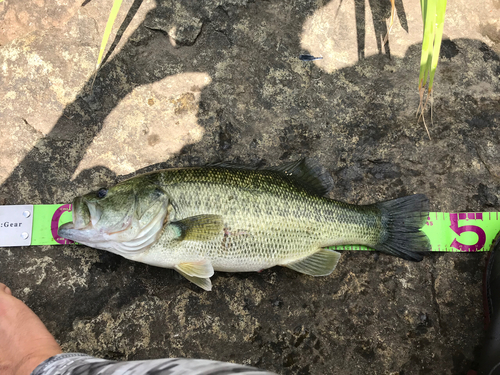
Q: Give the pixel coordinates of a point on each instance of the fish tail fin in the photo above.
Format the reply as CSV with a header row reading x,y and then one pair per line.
x,y
402,220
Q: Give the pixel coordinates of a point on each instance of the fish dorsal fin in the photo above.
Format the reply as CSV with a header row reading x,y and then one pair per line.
x,y
202,268
230,165
321,263
203,282
309,174
199,228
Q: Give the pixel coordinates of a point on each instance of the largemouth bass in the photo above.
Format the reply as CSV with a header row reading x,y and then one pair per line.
x,y
236,219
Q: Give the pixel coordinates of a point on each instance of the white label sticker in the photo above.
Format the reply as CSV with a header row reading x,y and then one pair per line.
x,y
16,224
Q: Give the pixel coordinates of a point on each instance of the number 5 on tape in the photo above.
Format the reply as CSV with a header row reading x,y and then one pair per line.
x,y
468,232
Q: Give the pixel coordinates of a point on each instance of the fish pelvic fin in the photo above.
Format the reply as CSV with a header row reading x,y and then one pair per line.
x,y
198,272
321,263
402,220
203,282
202,268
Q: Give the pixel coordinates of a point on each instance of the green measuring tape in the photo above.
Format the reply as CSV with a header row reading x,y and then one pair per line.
x,y
27,225
456,232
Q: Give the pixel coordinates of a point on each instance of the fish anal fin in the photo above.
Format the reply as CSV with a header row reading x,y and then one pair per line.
x,y
199,228
202,268
321,263
309,174
203,282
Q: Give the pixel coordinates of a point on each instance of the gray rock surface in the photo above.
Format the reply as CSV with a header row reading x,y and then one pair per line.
x,y
188,83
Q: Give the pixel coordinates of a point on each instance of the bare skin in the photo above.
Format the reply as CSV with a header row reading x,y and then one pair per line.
x,y
24,340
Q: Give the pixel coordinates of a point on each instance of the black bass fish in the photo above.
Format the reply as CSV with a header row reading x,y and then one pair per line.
x,y
237,219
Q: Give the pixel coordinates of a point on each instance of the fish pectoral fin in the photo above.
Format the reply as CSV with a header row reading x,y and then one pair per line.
x,y
199,228
321,263
202,268
203,282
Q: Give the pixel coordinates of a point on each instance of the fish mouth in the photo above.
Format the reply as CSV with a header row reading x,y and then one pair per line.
x,y
66,230
91,236
70,232
83,229
127,236
82,216
81,224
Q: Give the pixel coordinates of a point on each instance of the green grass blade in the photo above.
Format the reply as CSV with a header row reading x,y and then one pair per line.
x,y
107,32
423,8
440,13
433,13
429,20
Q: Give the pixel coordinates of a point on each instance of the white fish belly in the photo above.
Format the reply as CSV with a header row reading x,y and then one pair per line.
x,y
240,247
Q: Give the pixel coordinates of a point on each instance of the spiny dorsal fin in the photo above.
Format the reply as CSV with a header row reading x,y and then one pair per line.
x,y
199,228
309,174
321,263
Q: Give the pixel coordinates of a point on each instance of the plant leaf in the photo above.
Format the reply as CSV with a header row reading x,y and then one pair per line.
x,y
107,31
433,13
438,36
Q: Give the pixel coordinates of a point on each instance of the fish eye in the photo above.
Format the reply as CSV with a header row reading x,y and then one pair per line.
x,y
101,193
